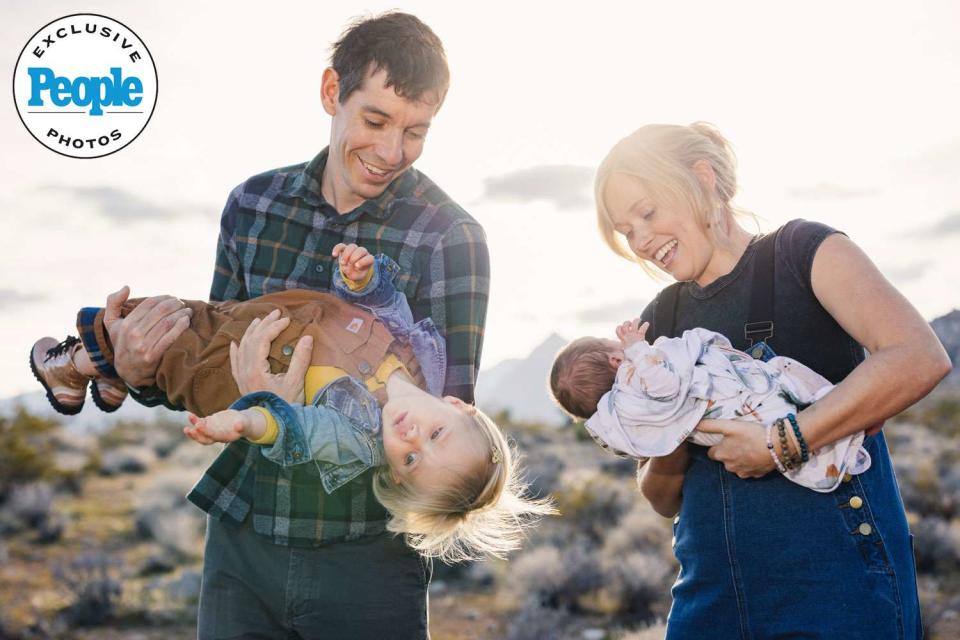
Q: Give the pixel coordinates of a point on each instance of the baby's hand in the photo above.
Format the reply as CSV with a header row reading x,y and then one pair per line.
x,y
354,261
223,426
632,332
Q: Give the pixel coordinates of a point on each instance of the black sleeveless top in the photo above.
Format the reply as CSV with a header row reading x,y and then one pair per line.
x,y
803,330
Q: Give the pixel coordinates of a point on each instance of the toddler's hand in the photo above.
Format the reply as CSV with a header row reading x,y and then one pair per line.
x,y
223,426
632,332
354,261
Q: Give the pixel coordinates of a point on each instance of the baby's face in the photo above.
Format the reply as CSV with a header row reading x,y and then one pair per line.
x,y
429,442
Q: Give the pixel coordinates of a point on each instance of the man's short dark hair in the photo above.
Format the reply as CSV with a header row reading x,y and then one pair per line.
x,y
407,49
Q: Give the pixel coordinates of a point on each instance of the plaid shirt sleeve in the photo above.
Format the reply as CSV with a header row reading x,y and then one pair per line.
x,y
458,286
228,282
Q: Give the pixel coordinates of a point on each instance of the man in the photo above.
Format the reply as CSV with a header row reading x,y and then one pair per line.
x,y
283,558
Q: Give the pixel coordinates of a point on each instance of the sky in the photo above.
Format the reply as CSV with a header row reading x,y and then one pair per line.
x,y
845,113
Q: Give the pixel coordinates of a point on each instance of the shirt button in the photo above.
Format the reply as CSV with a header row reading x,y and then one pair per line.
x,y
673,541
865,529
287,350
847,477
676,520
856,502
296,456
319,268
364,367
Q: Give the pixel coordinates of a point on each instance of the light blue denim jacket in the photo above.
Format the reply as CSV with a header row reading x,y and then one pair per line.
x,y
339,431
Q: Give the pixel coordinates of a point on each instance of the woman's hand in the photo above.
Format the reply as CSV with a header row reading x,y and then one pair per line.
x,y
248,360
743,450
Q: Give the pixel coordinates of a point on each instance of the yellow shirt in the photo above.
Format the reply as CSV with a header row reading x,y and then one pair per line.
x,y
320,376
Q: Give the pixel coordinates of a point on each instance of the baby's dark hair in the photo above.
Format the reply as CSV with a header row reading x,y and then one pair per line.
x,y
581,374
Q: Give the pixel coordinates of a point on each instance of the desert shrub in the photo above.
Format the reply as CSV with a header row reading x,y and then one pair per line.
x,y
25,450
941,415
556,578
937,545
164,515
638,584
96,591
641,529
656,631
593,501
128,458
537,622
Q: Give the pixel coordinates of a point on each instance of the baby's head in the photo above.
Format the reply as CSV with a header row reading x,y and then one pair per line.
x,y
582,372
451,482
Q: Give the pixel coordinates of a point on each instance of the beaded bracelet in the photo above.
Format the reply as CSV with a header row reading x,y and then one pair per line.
x,y
804,453
788,460
773,453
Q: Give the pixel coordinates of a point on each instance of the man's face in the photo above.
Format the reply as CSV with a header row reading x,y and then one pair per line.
x,y
374,137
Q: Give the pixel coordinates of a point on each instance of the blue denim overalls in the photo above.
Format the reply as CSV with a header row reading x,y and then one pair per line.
x,y
766,558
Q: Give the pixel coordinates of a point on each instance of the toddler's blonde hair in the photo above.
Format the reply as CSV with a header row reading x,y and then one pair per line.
x,y
663,156
482,513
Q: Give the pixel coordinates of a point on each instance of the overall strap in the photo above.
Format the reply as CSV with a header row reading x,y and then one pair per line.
x,y
759,325
665,314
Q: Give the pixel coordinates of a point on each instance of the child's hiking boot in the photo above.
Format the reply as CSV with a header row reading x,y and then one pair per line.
x,y
52,365
108,393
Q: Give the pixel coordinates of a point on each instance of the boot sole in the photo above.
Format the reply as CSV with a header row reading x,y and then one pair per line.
x,y
59,408
99,401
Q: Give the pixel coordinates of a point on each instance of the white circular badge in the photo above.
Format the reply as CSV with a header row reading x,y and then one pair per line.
x,y
85,86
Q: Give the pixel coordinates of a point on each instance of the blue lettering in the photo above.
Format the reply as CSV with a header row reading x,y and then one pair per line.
x,y
40,78
96,92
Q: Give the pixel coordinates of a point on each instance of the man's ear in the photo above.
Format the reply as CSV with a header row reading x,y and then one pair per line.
x,y
469,409
330,91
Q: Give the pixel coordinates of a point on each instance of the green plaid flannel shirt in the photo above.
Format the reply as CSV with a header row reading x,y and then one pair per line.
x,y
277,233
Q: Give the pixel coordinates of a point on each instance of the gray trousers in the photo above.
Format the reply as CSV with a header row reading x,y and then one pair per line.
x,y
375,588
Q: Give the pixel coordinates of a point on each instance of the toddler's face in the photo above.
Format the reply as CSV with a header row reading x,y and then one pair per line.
x,y
429,441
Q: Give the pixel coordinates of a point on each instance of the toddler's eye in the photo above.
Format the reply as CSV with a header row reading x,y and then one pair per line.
x,y
649,214
436,433
409,459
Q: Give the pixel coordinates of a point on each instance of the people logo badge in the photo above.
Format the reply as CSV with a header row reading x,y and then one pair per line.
x,y
85,86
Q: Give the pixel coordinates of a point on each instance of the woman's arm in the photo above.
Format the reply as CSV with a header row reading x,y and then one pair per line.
x,y
906,360
661,481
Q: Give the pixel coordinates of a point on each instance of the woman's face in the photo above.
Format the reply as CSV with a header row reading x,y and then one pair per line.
x,y
669,238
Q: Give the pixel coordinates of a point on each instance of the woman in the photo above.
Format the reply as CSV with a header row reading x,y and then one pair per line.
x,y
760,556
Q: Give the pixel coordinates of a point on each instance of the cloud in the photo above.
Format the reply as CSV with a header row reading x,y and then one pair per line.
x,y
830,191
11,298
611,312
119,204
566,186
903,274
948,225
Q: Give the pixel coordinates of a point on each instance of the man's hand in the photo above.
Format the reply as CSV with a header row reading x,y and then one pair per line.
x,y
631,332
141,339
226,426
354,261
743,450
248,360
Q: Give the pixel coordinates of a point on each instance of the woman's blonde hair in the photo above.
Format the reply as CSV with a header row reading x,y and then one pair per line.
x,y
663,156
482,513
